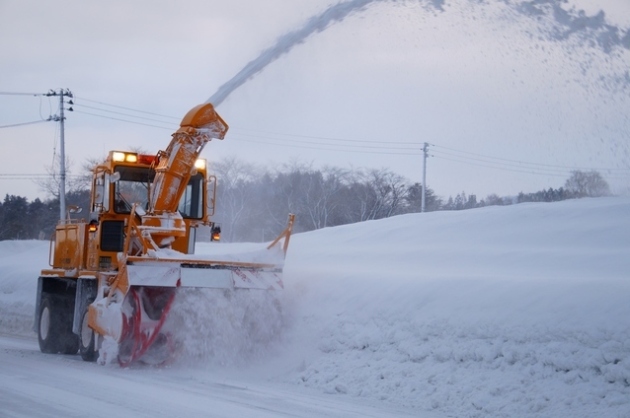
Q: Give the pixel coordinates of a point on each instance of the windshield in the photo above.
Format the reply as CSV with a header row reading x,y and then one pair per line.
x,y
133,187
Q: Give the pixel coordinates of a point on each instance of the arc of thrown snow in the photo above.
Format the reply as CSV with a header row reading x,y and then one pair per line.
x,y
285,43
605,35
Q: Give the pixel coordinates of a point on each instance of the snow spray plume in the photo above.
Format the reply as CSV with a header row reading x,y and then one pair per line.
x,y
566,23
224,328
285,43
575,22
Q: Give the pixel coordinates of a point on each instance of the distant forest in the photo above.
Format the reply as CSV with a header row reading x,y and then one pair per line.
x,y
253,202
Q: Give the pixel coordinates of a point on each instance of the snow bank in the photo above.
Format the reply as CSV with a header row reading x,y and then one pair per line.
x,y
502,311
20,265
518,311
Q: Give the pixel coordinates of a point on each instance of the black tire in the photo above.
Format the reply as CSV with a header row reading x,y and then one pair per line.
x,y
54,329
86,337
48,326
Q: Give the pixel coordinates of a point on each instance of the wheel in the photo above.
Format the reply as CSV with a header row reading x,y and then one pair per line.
x,y
70,343
54,329
48,326
86,337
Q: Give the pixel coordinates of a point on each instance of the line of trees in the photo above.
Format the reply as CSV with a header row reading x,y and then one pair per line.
x,y
253,202
21,219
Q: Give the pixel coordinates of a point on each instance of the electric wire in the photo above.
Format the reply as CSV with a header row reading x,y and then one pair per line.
x,y
25,123
384,150
337,144
383,145
324,143
34,176
527,167
518,162
530,170
331,138
122,120
10,93
120,113
126,108
386,146
514,170
496,164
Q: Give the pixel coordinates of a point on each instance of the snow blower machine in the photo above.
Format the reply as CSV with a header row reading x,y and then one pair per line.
x,y
113,277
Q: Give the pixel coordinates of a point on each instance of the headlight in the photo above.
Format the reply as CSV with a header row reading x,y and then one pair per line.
x,y
200,164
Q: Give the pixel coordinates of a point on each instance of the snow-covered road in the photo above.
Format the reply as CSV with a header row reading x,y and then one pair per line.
x,y
33,384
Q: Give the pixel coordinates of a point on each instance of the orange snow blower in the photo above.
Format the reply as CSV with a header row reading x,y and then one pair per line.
x,y
113,278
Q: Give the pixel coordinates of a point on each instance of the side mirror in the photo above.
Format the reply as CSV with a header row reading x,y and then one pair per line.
x,y
114,177
210,197
99,194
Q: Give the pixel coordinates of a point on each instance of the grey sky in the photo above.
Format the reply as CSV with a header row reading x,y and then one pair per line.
x,y
476,82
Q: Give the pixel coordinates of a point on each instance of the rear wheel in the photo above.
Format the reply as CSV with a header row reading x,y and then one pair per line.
x,y
54,329
45,331
86,338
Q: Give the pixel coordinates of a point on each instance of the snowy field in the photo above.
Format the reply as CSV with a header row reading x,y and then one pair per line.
x,y
518,311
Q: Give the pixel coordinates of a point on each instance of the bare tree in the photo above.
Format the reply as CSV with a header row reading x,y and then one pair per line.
x,y
235,188
378,194
493,200
74,183
318,195
587,184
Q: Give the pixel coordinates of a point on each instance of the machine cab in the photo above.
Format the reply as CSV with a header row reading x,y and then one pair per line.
x,y
125,180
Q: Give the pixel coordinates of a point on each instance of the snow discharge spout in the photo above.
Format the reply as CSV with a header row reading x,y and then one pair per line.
x,y
595,30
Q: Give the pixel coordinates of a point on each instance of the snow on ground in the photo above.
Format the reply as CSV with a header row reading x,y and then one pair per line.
x,y
518,311
20,265
502,311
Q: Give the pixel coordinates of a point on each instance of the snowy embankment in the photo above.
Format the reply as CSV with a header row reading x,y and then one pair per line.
x,y
20,265
502,311
497,312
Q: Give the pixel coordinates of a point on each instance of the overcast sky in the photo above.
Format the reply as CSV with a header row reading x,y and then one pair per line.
x,y
505,109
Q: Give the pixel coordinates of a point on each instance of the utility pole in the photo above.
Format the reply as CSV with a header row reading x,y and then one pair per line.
x,y
425,151
62,148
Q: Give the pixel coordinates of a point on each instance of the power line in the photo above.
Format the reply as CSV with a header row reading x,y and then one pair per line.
x,y
383,145
260,139
504,161
8,93
324,143
26,123
530,170
554,174
419,144
499,164
256,132
127,108
326,147
32,176
119,113
123,120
